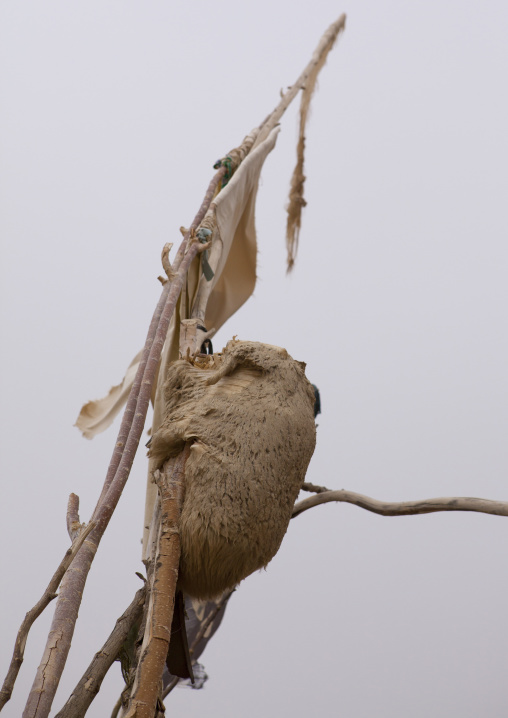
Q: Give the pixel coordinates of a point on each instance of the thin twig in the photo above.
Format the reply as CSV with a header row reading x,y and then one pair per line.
x,y
323,47
313,488
132,401
166,264
163,578
172,684
73,524
205,205
90,683
117,707
46,598
404,508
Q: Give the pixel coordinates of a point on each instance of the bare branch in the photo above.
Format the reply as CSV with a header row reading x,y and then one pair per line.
x,y
324,46
205,205
172,684
117,707
46,598
73,525
90,683
314,489
166,264
164,573
404,508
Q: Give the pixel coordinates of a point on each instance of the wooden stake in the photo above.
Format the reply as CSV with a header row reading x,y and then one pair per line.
x,y
163,575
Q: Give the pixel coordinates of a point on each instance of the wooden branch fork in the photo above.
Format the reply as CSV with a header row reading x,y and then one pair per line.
x,y
79,537
89,685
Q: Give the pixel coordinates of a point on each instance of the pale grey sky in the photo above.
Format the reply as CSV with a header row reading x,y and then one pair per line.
x,y
113,115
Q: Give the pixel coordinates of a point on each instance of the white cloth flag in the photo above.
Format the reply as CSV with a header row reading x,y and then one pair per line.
x,y
232,285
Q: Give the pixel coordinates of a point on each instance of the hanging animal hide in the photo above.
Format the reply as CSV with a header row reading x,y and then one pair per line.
x,y
249,414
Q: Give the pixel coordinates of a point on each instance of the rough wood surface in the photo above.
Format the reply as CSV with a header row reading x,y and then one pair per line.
x,y
46,598
163,575
91,681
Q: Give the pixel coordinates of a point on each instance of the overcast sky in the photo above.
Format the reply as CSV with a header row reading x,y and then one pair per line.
x,y
113,115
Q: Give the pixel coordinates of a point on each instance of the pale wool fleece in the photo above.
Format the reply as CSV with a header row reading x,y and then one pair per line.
x,y
250,415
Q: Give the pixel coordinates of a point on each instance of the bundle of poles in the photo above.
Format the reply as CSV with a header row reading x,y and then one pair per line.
x,y
158,594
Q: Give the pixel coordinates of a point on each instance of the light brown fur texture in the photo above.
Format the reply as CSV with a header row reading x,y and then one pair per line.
x,y
250,416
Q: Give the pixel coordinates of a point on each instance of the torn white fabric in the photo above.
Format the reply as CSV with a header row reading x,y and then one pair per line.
x,y
232,285
95,416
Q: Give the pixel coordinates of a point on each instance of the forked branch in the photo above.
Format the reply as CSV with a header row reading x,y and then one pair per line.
x,y
91,681
46,598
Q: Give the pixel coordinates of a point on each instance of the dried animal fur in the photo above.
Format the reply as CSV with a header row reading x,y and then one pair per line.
x,y
249,413
296,198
